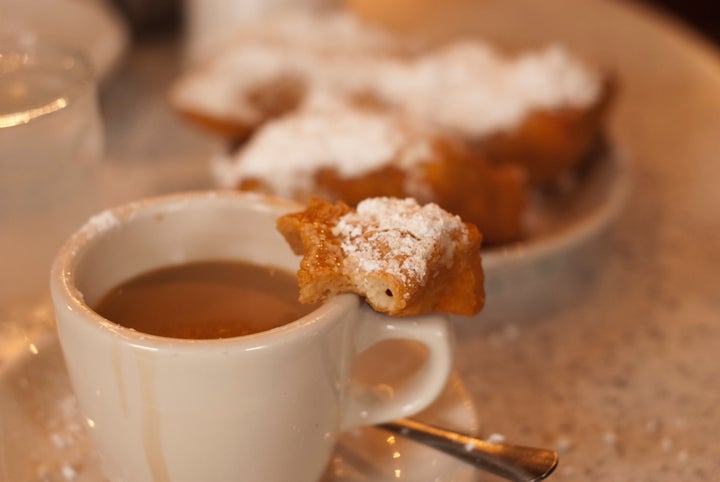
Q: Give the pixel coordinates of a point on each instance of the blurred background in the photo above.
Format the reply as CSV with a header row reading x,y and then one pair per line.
x,y
160,17
703,15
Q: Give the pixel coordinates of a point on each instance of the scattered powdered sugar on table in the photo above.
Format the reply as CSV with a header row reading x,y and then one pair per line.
x,y
397,236
495,438
101,222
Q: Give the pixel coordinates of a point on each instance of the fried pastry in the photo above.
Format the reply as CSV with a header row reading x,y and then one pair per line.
x,y
403,258
266,69
221,100
337,151
540,110
549,144
462,125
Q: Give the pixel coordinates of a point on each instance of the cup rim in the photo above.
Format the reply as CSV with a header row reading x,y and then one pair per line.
x,y
67,296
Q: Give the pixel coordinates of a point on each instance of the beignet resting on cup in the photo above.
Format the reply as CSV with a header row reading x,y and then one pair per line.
x,y
403,258
336,151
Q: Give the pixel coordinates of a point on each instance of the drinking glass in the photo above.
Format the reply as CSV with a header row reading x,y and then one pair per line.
x,y
51,139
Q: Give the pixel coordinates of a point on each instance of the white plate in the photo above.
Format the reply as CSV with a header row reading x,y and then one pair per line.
x,y
42,435
90,26
565,219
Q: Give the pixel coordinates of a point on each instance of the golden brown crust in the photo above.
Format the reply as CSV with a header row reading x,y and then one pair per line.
x,y
231,129
550,143
266,101
449,278
276,97
492,197
309,232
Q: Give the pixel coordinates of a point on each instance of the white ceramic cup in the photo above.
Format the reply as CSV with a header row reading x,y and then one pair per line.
x,y
264,407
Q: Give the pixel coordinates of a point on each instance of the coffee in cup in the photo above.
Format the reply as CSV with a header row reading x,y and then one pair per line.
x,y
205,300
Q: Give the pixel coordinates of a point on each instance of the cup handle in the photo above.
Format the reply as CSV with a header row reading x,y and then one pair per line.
x,y
373,404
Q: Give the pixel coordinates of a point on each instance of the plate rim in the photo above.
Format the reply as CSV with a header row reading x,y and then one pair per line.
x,y
548,245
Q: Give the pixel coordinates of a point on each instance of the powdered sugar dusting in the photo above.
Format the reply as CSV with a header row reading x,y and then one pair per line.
x,y
467,86
319,48
471,88
287,153
218,89
398,237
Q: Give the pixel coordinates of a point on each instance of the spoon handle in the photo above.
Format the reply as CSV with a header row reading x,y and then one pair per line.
x,y
516,463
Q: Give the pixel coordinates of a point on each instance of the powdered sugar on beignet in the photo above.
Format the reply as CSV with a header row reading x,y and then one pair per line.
x,y
404,258
287,154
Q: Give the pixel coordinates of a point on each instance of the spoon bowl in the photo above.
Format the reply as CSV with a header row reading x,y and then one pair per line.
x,y
511,462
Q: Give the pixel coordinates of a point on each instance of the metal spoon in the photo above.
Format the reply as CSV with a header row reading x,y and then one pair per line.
x,y
512,462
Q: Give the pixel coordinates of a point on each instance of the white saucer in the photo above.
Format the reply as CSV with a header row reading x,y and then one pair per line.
x,y
91,26
42,435
568,217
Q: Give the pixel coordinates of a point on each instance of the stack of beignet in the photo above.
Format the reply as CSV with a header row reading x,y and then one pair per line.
x,y
460,125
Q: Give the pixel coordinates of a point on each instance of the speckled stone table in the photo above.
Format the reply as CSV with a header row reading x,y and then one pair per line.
x,y
611,352
608,351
